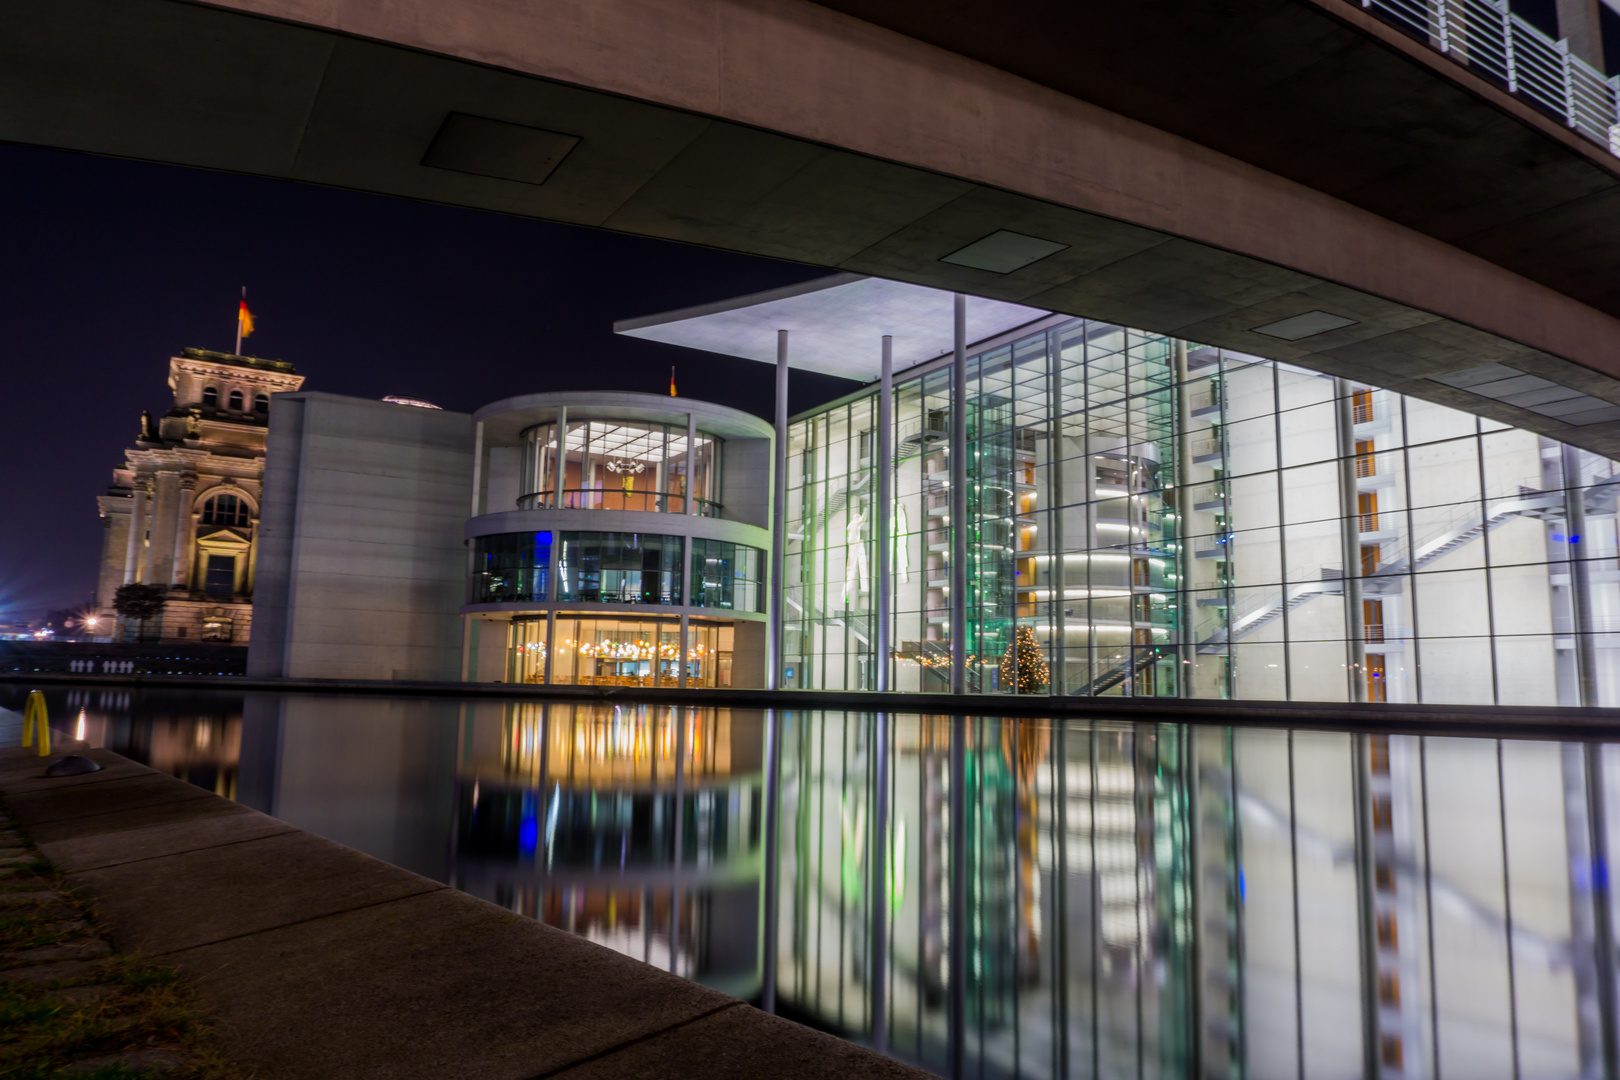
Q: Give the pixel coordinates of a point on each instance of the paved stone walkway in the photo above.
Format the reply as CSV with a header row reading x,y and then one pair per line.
x,y
318,961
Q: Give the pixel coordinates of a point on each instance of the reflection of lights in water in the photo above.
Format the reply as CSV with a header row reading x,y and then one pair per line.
x,y
78,731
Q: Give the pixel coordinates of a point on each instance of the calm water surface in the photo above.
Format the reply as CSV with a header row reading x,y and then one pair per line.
x,y
1132,899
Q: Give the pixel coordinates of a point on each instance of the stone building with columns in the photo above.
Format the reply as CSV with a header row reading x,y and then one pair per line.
x,y
183,509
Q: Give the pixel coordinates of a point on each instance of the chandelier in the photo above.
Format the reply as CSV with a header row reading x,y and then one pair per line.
x,y
626,466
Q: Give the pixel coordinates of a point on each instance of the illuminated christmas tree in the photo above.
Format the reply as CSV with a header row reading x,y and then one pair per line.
x,y
1023,668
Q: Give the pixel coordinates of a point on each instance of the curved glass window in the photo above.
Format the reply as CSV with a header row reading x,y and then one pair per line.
x,y
225,510
726,575
621,465
511,568
603,649
619,568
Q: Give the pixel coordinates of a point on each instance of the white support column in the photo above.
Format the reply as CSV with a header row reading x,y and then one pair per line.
x,y
686,602
478,469
959,501
559,463
1350,536
691,464
553,590
184,534
137,532
885,516
681,676
773,680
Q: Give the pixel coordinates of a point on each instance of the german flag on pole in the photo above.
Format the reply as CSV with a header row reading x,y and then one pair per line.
x,y
671,382
244,322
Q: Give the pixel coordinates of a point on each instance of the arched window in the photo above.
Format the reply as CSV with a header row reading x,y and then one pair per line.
x,y
211,397
261,404
225,510
236,401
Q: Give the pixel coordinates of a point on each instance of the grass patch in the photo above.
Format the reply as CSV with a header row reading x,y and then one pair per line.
x,y
125,1004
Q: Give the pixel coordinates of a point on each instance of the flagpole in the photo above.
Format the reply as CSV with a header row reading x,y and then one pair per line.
x,y
239,324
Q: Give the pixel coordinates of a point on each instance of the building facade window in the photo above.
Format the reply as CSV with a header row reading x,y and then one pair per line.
x,y
619,568
1168,519
210,397
219,578
621,650
622,465
726,575
236,401
512,568
261,404
228,510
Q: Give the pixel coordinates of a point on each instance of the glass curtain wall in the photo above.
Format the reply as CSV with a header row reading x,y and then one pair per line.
x,y
1149,517
829,584
622,465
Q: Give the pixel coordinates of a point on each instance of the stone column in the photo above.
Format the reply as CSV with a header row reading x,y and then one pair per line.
x,y
149,559
184,534
137,532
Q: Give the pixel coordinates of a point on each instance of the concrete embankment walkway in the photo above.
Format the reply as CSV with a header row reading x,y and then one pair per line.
x,y
318,961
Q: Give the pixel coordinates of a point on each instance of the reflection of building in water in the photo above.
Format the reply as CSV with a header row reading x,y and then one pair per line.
x,y
636,827
1154,900
197,739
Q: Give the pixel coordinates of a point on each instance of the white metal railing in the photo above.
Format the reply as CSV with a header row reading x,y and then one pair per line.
x,y
1487,38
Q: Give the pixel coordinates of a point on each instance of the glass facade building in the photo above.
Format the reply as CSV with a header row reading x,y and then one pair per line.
x,y
640,563
1148,517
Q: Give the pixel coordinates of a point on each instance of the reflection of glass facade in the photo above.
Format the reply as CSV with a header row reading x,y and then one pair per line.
x,y
638,828
1160,900
620,650
1021,897
621,465
1172,520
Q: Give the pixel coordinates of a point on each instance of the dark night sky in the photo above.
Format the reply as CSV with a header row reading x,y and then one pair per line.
x,y
111,267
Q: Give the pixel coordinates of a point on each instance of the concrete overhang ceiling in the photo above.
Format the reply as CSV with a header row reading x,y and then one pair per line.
x,y
194,85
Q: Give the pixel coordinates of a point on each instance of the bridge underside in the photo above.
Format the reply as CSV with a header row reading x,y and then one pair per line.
x,y
1178,240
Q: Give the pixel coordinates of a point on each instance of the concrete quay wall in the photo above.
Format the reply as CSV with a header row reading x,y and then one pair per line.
x,y
315,960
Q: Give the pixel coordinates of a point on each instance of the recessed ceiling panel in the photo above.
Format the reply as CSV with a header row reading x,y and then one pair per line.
x,y
1303,326
1004,251
485,147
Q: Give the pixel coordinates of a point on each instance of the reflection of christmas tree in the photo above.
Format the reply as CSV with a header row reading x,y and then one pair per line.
x,y
1023,668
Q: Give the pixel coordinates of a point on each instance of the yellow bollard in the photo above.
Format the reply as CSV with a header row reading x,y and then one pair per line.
x,y
34,716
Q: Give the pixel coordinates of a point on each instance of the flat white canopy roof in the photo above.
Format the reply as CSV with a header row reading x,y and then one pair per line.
x,y
836,324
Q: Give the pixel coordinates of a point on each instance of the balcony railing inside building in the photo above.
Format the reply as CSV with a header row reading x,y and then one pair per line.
x,y
633,465
1491,41
618,498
